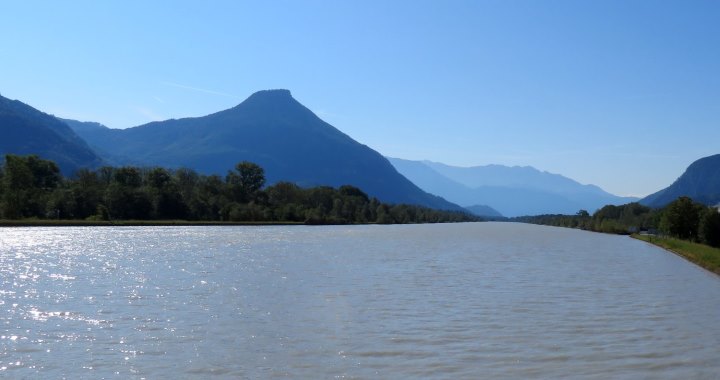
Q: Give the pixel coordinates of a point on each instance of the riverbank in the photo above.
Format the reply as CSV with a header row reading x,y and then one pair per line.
x,y
115,223
700,254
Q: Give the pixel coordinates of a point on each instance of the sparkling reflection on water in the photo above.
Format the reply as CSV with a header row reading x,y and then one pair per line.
x,y
479,300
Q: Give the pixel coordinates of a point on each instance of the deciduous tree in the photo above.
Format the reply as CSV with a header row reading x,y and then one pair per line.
x,y
245,181
681,218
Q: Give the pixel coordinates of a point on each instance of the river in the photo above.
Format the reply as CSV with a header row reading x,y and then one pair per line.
x,y
473,300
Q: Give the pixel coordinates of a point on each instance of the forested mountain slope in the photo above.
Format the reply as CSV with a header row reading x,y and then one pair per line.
x,y
25,130
701,182
273,130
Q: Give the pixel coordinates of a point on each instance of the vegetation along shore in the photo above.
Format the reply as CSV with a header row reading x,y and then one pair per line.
x,y
700,254
34,192
685,227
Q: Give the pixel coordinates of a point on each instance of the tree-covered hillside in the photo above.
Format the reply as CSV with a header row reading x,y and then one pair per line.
x,y
701,182
25,130
275,131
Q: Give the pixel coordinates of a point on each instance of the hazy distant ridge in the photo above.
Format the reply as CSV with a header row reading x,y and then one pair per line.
x,y
513,191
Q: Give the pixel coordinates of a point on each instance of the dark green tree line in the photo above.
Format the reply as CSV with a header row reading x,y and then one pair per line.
x,y
31,187
682,218
27,185
689,220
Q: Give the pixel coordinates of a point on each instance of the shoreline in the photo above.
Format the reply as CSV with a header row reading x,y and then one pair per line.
x,y
704,256
160,223
134,223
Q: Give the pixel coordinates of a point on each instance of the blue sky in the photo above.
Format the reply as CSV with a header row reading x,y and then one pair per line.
x,y
621,94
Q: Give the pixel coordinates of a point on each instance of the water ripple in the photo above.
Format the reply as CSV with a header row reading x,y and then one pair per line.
x,y
431,301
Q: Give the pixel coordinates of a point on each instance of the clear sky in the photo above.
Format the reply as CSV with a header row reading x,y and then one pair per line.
x,y
622,94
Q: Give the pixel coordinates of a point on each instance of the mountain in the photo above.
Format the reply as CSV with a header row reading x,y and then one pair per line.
x,y
525,177
25,130
100,131
512,191
701,182
435,183
485,211
84,126
271,129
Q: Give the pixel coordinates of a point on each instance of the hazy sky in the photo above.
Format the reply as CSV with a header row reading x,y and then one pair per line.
x,y
623,94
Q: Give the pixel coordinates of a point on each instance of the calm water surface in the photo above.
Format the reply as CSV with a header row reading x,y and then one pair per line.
x,y
476,300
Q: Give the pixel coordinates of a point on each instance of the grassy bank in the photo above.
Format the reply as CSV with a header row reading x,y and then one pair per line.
x,y
96,223
700,254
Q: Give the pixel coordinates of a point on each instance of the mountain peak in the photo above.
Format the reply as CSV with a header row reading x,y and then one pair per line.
x,y
268,100
273,106
279,91
272,94
275,131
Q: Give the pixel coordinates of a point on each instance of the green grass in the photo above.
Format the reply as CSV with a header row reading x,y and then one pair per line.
x,y
700,254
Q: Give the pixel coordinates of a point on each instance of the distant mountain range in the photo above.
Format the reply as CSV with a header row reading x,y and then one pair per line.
x,y
484,211
512,191
25,130
271,129
701,182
